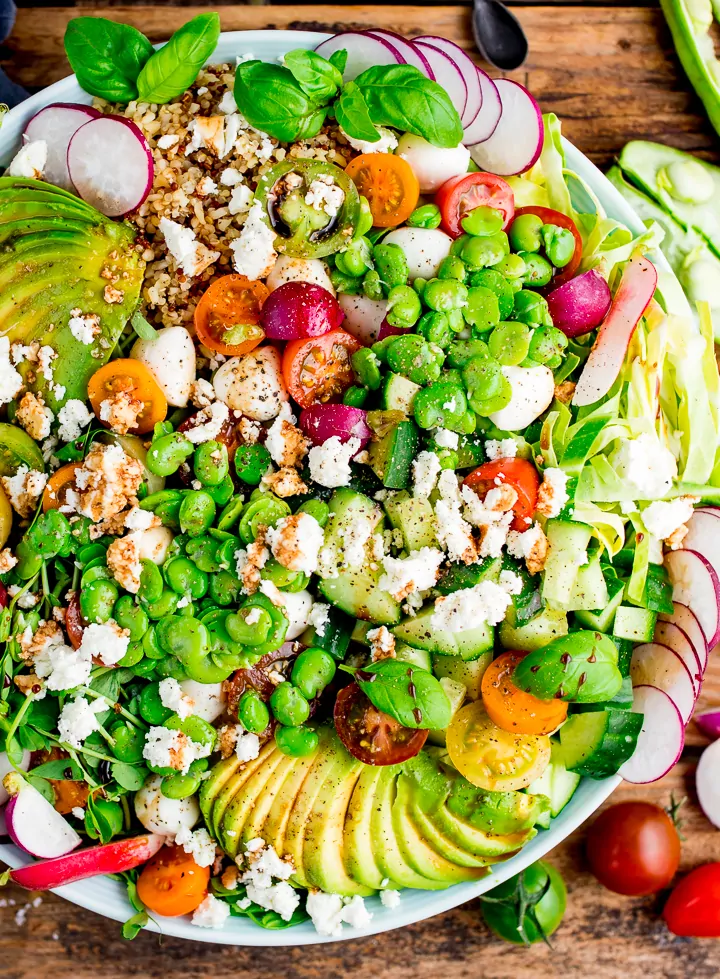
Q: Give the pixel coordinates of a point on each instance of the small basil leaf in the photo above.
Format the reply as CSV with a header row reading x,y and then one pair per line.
x,y
352,114
143,329
339,59
316,76
106,57
272,101
411,695
402,97
175,66
14,752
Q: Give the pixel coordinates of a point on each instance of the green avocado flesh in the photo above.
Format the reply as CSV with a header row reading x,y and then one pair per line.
x,y
351,828
58,254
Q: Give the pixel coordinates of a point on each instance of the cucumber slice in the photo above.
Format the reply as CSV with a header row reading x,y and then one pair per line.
x,y
358,594
468,575
414,518
589,590
416,657
601,619
467,672
468,645
541,629
635,624
398,393
567,540
597,744
392,456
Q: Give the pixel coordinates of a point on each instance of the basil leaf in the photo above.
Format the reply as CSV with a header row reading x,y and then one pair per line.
x,y
106,57
128,776
339,59
411,695
402,97
315,75
143,329
272,101
58,768
352,115
175,66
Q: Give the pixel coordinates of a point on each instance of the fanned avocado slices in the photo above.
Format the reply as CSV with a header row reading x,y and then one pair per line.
x,y
59,254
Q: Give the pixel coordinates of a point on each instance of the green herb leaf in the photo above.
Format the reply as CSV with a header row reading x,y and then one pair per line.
x,y
339,59
5,877
133,926
411,695
107,684
272,100
128,776
14,751
402,97
58,768
43,787
316,76
175,66
353,116
106,57
141,326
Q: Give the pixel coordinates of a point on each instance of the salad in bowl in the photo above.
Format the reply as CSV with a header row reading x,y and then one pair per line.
x,y
357,478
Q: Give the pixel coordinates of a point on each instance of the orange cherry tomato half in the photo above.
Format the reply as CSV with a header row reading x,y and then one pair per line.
x,y
131,377
171,883
389,184
460,195
512,709
227,318
549,216
518,473
57,486
318,369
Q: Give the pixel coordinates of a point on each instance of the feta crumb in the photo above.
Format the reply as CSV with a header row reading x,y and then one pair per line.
x,y
165,748
646,466
212,913
202,393
500,449
254,251
552,493
467,608
210,423
230,177
385,144
199,844
382,643
247,746
446,439
105,641
24,489
84,326
190,255
137,519
34,416
426,469
664,519
530,544
389,898
511,582
168,141
417,572
10,380
319,617
78,720
330,462
295,542
325,195
172,697
29,161
240,199
73,417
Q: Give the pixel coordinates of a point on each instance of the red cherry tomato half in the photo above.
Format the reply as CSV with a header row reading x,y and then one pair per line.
x,y
370,735
460,195
548,216
518,473
634,848
318,369
693,908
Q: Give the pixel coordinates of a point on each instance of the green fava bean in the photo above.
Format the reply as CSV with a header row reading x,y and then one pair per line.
x,y
288,705
486,386
50,534
531,308
425,216
133,654
154,500
165,605
278,573
462,352
197,513
225,587
169,513
317,509
443,295
252,712
367,368
251,463
419,361
249,633
349,284
419,285
364,221
580,667
151,647
129,742
182,637
525,233
440,405
210,463
356,396
509,343
151,582
223,492
167,453
168,666
493,280
185,578
130,616
435,327
97,600
312,671
483,221
266,510
391,265
452,267
151,706
296,742
538,271
403,308
380,348
232,511
195,728
458,245
480,253
512,267
146,668
547,346
180,786
372,286
202,551
483,309
356,260
559,244
29,561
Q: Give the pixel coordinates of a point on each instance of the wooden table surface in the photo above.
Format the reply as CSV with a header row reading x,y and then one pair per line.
x,y
609,71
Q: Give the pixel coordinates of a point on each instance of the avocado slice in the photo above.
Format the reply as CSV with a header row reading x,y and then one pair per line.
x,y
219,776
232,785
277,819
254,825
474,840
441,843
323,845
246,797
58,253
358,850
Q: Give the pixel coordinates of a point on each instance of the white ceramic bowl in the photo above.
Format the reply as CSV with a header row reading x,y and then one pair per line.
x,y
106,896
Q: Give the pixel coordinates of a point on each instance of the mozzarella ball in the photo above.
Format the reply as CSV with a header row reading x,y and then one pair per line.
x,y
424,249
533,388
207,698
288,269
297,609
363,316
161,815
432,165
153,543
252,384
170,358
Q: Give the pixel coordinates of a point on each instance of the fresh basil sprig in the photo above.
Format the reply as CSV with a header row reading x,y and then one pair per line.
x,y
175,66
315,75
339,58
273,101
106,57
413,696
353,117
402,97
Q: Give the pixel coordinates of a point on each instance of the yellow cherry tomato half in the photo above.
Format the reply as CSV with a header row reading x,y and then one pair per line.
x,y
57,486
132,380
491,758
389,184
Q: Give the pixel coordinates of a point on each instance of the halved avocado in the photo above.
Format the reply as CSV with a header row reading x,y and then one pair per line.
x,y
358,849
279,815
254,824
233,785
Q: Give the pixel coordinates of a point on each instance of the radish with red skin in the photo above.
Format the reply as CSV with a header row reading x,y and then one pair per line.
x,y
388,330
580,305
363,317
467,69
661,739
707,783
110,858
300,309
33,824
687,621
488,118
630,301
517,141
364,51
661,667
322,421
696,584
703,536
56,124
671,635
111,165
709,723
410,54
447,74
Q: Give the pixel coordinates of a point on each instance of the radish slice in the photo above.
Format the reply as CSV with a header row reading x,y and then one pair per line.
x,y
467,69
32,822
695,584
57,124
661,667
670,635
707,783
487,120
684,618
631,299
703,537
364,51
408,52
321,422
111,165
712,510
110,858
363,316
661,738
709,723
517,140
446,74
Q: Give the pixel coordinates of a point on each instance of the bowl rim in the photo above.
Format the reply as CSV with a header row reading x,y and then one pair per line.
x,y
107,897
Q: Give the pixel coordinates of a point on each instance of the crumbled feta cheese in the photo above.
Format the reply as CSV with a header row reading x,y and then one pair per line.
x,y
202,393
382,643
168,141
453,532
467,608
511,582
385,144
355,913
10,380
240,199
446,439
500,449
330,462
199,844
34,416
210,423
78,719
138,519
319,617
285,442
231,177
354,541
105,641
172,697
389,898
426,469
280,897
123,560
295,542
78,812
552,493
254,251
325,195
62,667
207,132
227,103
24,489
646,466
7,561
107,482
494,536
73,417
665,519
247,746
212,913
530,544
329,911
46,356
121,411
190,255
417,572
206,186
165,748
29,161
84,326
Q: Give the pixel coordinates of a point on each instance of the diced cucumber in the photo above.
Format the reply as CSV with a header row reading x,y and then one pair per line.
x,y
469,644
360,631
567,541
358,594
589,590
347,507
398,393
414,518
469,673
544,820
456,693
336,634
416,657
601,619
635,624
467,575
470,450
557,784
597,743
537,632
391,457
